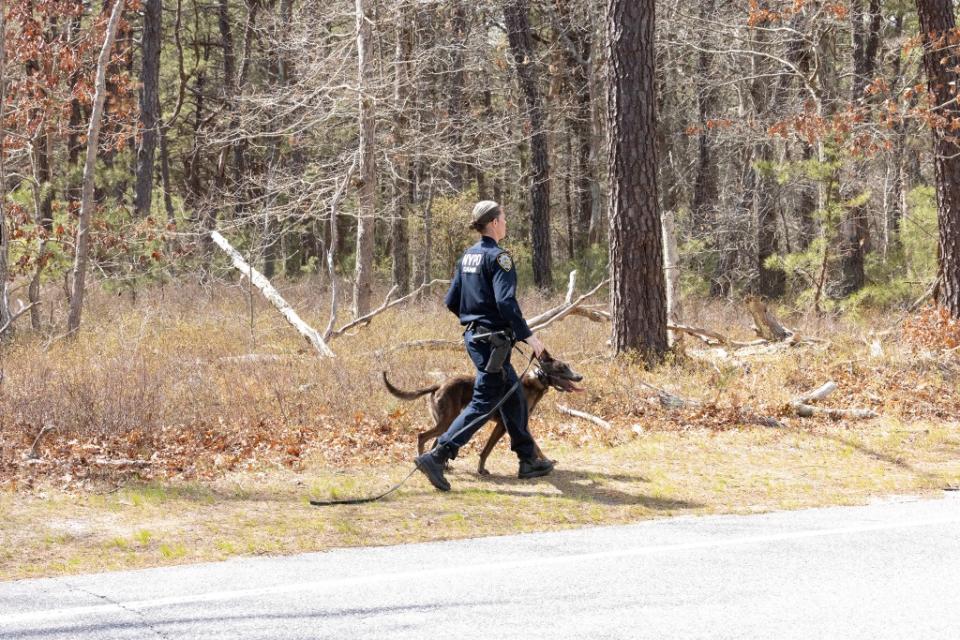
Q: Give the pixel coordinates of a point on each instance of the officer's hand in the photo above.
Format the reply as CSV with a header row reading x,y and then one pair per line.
x,y
538,347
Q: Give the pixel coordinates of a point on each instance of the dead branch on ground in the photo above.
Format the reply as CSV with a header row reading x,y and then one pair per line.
x,y
670,400
600,422
804,409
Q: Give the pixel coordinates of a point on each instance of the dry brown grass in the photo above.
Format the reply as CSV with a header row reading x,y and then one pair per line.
x,y
152,381
231,450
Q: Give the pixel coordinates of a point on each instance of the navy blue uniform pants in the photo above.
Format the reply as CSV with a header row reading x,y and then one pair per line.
x,y
488,390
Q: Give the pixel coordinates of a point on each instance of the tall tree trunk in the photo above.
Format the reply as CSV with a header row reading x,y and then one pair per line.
x,y
578,51
86,201
937,24
165,177
770,282
638,289
706,188
897,203
428,234
43,218
75,123
4,227
362,289
400,247
149,104
274,240
457,80
517,19
865,28
807,205
229,86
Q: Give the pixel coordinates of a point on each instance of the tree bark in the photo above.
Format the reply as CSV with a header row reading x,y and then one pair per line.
x,y
865,28
149,105
516,17
578,39
5,320
400,247
769,282
706,189
43,218
638,290
86,201
274,240
456,82
937,24
362,289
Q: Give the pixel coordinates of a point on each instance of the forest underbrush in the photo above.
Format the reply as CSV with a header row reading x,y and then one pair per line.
x,y
193,381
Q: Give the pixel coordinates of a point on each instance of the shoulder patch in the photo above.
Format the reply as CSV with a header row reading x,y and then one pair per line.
x,y
505,261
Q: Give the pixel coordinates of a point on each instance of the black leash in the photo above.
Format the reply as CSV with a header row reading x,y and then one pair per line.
x,y
480,420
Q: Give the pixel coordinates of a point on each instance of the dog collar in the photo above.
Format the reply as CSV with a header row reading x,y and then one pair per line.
x,y
541,376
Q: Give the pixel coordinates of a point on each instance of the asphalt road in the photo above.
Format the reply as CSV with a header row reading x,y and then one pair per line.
x,y
888,570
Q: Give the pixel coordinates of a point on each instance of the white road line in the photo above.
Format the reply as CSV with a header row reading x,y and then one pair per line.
x,y
320,585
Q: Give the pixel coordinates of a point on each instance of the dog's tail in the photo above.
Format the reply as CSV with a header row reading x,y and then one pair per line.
x,y
406,395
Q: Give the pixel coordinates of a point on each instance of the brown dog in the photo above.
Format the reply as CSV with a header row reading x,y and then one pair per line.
x,y
450,397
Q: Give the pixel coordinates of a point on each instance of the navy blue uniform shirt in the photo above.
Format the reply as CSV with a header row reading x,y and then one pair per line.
x,y
484,289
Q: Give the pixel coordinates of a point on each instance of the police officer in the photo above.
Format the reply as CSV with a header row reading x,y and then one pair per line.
x,y
483,295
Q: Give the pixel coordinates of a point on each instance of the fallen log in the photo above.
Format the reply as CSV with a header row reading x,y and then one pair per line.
x,y
670,400
124,462
273,296
804,409
819,393
600,422
808,410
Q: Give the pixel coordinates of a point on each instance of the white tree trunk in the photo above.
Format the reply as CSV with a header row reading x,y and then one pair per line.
x,y
362,290
671,265
89,168
271,294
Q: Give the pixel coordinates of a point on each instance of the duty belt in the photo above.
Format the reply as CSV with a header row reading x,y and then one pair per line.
x,y
501,343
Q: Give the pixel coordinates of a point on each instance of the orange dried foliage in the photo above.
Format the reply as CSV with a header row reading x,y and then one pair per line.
x,y
932,328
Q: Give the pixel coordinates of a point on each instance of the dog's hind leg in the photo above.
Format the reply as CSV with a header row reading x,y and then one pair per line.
x,y
428,435
539,453
495,435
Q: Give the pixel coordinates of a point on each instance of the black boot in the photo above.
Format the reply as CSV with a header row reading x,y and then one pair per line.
x,y
534,467
431,464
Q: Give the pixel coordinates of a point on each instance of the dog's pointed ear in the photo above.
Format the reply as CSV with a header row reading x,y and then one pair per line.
x,y
545,356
